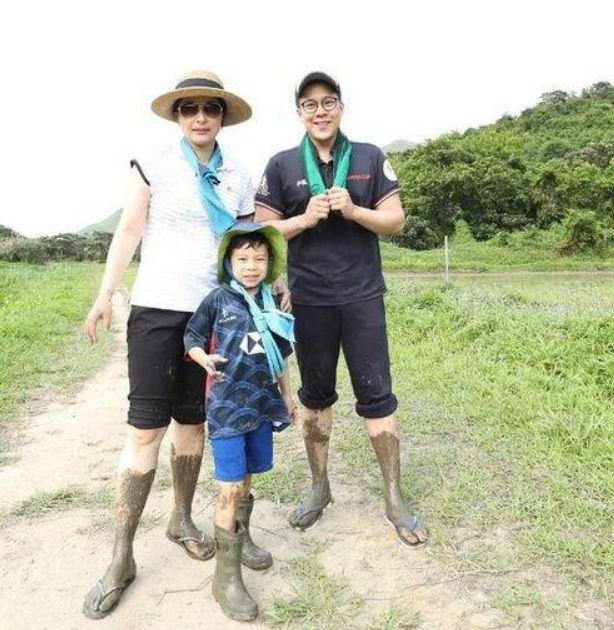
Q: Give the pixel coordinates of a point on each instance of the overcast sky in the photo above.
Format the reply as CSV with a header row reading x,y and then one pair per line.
x,y
78,79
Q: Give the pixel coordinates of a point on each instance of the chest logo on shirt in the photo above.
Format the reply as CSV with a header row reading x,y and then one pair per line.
x,y
252,343
359,177
301,182
227,316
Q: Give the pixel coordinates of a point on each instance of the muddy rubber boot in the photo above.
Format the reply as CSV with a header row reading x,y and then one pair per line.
x,y
253,557
228,588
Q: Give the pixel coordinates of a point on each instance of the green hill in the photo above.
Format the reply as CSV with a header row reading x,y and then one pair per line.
x,y
7,232
551,162
107,225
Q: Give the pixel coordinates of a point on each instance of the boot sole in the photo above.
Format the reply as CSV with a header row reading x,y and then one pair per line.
x,y
234,616
257,567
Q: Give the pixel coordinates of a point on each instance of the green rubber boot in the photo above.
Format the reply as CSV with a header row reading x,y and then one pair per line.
x,y
253,557
228,588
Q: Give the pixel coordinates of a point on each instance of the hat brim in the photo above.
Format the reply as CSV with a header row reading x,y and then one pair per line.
x,y
273,236
237,110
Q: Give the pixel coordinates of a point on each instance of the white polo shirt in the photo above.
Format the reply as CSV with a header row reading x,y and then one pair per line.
x,y
179,250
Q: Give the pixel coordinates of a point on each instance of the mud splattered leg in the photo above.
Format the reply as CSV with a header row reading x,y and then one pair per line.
x,y
316,425
134,480
186,458
384,435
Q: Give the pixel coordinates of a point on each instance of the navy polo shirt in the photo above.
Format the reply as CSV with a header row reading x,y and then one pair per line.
x,y
337,261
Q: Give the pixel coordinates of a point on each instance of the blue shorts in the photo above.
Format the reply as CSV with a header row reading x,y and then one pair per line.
x,y
245,454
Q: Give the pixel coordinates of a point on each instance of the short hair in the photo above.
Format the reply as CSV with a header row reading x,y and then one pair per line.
x,y
252,239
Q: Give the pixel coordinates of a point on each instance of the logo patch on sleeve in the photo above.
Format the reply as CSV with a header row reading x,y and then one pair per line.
x,y
263,188
389,171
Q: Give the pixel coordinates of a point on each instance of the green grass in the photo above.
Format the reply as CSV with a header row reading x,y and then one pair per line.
x,y
320,601
531,251
511,390
70,497
42,308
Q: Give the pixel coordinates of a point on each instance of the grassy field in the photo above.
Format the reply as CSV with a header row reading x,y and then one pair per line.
x,y
41,342
506,383
519,375
531,365
530,251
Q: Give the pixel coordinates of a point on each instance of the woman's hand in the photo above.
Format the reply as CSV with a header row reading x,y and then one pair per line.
x,y
101,309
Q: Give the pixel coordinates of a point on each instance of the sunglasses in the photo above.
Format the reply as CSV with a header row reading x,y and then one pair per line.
x,y
210,110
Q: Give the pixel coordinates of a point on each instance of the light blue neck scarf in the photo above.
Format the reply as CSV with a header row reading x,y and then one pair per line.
x,y
219,216
268,320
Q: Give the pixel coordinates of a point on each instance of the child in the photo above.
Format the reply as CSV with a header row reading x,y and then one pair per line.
x,y
241,339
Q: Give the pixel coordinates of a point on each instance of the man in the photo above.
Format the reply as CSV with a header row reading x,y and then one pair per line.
x,y
331,198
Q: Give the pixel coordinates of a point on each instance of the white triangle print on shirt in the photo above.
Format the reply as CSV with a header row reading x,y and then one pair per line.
x,y
251,343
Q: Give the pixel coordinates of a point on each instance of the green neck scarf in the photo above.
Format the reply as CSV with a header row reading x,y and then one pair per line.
x,y
342,153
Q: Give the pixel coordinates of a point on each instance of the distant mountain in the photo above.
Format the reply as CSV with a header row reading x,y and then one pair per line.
x,y
398,146
107,225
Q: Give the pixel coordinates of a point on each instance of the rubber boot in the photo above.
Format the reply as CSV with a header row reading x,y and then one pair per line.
x,y
228,588
253,557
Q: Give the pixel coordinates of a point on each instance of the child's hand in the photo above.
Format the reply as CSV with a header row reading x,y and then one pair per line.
x,y
292,408
210,364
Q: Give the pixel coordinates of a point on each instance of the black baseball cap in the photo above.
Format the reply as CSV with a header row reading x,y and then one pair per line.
x,y
316,77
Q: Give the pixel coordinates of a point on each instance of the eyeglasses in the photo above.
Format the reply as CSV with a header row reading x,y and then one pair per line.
x,y
210,110
310,106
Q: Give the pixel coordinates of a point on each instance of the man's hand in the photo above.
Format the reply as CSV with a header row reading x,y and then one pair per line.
x,y
318,209
340,201
209,362
280,288
100,310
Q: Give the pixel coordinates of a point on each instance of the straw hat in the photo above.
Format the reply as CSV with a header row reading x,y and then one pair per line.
x,y
198,84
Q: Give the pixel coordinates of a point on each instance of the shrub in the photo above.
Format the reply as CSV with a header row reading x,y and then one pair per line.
x,y
582,232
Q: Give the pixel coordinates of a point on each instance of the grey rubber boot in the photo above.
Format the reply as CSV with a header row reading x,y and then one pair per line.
x,y
228,588
253,557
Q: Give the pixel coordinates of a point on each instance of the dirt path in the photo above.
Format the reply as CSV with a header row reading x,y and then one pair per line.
x,y
49,561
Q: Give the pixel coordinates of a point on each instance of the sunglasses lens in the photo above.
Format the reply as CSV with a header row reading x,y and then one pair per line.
x,y
188,110
212,110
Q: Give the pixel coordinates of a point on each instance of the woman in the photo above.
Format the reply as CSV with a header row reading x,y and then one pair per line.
x,y
180,200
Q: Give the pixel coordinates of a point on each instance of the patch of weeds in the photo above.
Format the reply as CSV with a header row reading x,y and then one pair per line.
x,y
282,485
515,597
67,498
396,618
320,601
43,503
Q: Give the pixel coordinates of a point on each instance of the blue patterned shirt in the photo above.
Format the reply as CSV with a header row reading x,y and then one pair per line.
x,y
223,325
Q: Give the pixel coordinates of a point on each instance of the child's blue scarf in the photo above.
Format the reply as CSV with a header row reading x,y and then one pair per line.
x,y
219,216
268,320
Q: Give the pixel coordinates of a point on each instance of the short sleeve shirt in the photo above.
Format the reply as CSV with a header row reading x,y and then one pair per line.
x,y
337,261
223,325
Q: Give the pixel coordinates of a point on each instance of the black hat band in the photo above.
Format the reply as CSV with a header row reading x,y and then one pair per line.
x,y
199,83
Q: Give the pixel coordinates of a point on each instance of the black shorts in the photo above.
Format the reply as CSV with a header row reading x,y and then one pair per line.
x,y
163,384
360,329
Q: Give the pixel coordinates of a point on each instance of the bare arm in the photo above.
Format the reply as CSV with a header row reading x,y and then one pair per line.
x,y
126,239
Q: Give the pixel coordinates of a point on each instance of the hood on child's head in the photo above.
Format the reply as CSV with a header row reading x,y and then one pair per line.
x,y
273,236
